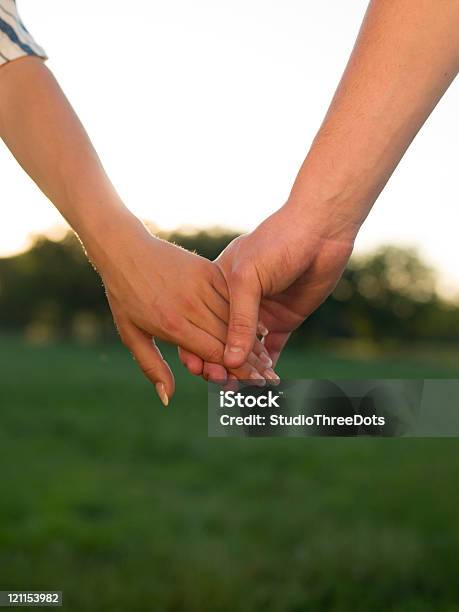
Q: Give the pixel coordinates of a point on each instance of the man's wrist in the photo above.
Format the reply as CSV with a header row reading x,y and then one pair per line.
x,y
333,205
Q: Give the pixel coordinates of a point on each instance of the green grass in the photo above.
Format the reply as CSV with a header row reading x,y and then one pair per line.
x,y
127,506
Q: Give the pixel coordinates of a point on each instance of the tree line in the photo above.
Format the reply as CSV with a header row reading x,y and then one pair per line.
x,y
51,292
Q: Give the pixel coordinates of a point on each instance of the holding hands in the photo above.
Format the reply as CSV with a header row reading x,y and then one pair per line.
x,y
271,280
276,279
158,290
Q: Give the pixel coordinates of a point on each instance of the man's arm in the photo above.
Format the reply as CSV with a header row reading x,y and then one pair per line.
x,y
405,57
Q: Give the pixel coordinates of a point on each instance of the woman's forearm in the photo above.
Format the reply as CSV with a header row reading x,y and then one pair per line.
x,y
405,57
155,290
43,132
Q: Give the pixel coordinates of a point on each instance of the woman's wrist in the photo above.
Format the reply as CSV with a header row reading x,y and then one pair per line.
x,y
107,232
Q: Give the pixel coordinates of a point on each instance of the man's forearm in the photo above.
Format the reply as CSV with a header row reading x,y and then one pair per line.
x,y
44,134
405,57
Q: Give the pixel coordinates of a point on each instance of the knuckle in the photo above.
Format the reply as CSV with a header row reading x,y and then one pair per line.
x,y
214,370
204,270
241,324
170,322
148,371
195,368
205,266
241,273
189,304
214,354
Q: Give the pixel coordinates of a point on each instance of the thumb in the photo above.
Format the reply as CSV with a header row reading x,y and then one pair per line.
x,y
150,361
245,297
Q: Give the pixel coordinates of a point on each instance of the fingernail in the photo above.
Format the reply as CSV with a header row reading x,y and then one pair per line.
x,y
234,349
271,375
161,391
266,359
262,330
258,378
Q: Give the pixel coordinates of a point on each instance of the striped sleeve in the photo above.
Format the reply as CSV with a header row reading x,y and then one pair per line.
x,y
15,40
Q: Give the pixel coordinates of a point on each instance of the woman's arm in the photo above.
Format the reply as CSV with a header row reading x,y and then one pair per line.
x,y
154,288
39,126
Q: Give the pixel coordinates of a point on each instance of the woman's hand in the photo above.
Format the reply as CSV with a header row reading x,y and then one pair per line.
x,y
158,290
154,288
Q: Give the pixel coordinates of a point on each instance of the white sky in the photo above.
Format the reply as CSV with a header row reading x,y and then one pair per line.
x,y
203,111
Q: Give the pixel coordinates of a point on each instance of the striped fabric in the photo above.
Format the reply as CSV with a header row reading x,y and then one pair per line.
x,y
15,40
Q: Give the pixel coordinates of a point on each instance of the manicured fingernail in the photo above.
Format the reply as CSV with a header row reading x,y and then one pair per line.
x,y
271,375
258,378
262,330
266,359
161,391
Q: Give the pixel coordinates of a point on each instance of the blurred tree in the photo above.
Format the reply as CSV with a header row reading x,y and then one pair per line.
x,y
51,291
50,286
387,295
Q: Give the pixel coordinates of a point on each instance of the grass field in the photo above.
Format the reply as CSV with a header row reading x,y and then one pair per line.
x,y
127,506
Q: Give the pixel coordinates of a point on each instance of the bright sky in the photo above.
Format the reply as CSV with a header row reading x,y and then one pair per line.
x,y
203,111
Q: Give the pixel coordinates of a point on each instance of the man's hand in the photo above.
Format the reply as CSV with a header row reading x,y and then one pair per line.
x,y
404,59
277,276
